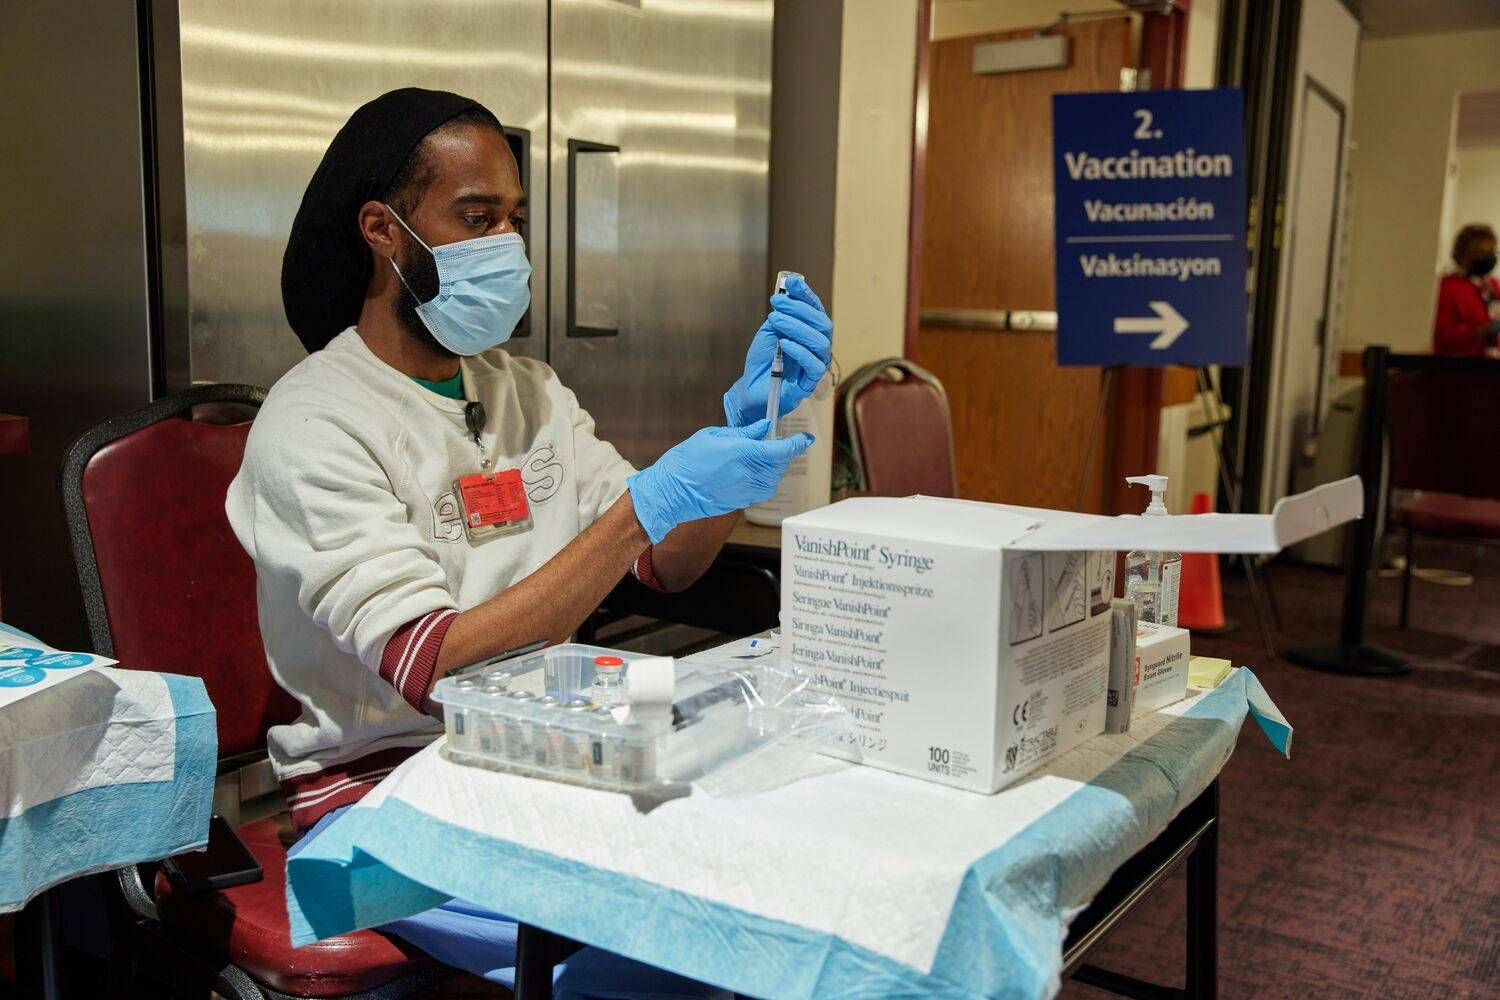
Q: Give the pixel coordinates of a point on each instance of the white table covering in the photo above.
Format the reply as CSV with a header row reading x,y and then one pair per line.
x,y
852,883
110,768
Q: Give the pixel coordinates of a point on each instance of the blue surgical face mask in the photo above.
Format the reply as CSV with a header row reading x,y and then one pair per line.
x,y
483,290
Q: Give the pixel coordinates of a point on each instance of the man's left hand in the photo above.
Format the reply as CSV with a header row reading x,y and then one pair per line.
x,y
799,322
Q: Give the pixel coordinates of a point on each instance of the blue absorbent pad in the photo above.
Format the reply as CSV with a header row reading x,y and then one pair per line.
x,y
126,813
857,883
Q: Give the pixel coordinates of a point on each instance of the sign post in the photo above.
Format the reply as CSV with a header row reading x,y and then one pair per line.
x,y
1150,228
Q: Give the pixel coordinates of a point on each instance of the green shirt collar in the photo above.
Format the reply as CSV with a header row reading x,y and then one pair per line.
x,y
452,388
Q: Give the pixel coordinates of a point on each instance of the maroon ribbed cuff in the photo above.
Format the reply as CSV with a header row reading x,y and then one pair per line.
x,y
645,572
411,655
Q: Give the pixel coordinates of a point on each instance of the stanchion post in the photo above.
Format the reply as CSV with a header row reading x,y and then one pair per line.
x,y
1360,540
1351,654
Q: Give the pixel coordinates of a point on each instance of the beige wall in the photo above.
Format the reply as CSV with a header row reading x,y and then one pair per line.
x,y
874,180
1301,357
1476,189
1200,62
1403,137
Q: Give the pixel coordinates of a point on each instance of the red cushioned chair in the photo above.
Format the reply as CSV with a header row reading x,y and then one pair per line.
x,y
895,417
167,587
1443,427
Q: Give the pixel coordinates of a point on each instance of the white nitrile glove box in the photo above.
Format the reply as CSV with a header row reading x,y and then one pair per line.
x,y
1161,665
969,641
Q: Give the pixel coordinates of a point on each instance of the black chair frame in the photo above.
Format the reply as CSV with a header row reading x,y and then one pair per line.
x,y
82,451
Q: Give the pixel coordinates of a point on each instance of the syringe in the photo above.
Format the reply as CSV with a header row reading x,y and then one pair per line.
x,y
773,396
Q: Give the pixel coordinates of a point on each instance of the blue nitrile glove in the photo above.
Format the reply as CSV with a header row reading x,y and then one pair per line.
x,y
716,471
798,320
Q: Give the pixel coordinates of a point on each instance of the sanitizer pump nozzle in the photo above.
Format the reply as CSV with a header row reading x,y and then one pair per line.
x,y
1152,578
1158,487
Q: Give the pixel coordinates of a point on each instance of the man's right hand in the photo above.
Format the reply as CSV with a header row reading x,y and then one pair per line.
x,y
716,471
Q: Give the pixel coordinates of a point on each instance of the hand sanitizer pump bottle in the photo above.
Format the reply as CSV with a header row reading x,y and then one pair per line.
x,y
1151,578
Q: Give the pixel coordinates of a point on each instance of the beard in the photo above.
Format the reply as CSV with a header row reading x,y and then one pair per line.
x,y
420,272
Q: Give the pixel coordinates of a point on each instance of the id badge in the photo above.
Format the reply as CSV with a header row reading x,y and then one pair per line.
x,y
492,504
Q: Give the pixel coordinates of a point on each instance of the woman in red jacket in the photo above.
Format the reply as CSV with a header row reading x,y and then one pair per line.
x,y
1468,307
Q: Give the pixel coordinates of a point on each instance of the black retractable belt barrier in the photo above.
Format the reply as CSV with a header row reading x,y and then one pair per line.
x,y
1351,654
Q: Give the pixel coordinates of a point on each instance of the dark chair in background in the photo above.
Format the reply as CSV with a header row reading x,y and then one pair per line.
x,y
894,414
894,417
167,587
1436,417
1444,433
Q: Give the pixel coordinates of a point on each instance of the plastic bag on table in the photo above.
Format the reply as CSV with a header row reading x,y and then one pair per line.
x,y
743,730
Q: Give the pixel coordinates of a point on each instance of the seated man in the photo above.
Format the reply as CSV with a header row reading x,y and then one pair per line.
x,y
416,499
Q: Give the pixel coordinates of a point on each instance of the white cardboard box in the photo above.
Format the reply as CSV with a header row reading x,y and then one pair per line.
x,y
960,659
1161,665
969,640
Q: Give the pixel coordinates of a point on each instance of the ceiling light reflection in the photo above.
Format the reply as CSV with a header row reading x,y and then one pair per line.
x,y
273,46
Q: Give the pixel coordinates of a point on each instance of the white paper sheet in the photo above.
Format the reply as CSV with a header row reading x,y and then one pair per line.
x,y
28,665
1294,519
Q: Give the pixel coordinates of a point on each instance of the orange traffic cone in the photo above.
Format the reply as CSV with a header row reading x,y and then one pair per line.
x,y
1200,602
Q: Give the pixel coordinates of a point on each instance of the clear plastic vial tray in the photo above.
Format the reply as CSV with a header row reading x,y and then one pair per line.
x,y
547,714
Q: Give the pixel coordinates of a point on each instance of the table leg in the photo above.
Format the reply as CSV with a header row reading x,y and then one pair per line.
x,y
538,953
1203,911
39,948
533,964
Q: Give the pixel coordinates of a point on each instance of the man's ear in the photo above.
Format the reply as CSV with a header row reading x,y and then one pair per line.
x,y
375,226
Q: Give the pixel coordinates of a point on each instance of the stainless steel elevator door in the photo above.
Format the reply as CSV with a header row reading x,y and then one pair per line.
x,y
682,89
264,88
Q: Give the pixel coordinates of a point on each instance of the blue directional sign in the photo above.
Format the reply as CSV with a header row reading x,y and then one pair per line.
x,y
1150,218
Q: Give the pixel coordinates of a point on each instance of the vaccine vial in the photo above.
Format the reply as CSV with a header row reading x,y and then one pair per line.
x,y
575,750
516,731
461,734
609,686
557,743
546,734
545,737
484,720
638,760
604,747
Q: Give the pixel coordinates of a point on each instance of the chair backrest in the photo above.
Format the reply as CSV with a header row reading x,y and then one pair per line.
x,y
896,416
166,584
1443,427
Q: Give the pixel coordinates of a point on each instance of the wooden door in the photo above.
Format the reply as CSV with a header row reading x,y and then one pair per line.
x,y
1020,423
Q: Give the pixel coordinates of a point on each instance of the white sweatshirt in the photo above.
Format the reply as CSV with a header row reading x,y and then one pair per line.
x,y
345,503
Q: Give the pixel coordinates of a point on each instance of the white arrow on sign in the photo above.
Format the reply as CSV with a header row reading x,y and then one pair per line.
x,y
1168,324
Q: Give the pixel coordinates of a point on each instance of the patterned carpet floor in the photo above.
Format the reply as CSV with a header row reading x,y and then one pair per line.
x,y
1369,864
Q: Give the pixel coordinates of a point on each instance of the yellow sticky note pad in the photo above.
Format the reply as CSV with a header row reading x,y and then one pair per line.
x,y
1207,672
